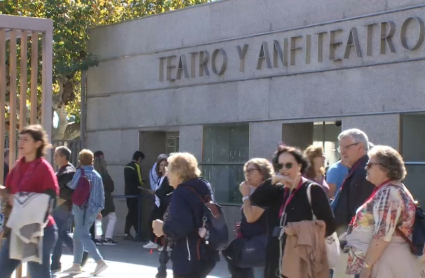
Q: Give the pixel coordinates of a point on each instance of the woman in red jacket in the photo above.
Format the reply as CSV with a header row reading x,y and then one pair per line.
x,y
32,173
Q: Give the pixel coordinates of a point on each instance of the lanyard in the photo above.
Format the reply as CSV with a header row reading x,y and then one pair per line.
x,y
291,196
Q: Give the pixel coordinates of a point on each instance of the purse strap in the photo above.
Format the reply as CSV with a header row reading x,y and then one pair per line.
x,y
309,200
408,241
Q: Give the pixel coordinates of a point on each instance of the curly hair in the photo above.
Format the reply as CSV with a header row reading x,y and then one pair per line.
x,y
38,133
311,153
184,165
157,167
263,165
390,161
295,152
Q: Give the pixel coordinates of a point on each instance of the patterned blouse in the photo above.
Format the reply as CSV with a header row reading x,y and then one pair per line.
x,y
391,206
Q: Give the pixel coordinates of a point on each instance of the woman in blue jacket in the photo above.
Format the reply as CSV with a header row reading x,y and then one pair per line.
x,y
190,256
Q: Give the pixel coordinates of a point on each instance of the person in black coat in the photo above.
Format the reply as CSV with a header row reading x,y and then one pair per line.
x,y
285,196
109,210
190,255
353,146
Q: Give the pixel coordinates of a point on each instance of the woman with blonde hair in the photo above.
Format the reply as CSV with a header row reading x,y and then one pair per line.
x,y
190,255
109,210
316,169
377,237
84,216
252,230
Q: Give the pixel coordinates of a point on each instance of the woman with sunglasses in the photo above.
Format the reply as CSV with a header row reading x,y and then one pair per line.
x,y
377,238
285,197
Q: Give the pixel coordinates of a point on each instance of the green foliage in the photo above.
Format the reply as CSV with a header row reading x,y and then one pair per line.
x,y
72,19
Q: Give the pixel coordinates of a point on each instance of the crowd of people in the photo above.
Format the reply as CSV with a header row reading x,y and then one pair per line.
x,y
297,220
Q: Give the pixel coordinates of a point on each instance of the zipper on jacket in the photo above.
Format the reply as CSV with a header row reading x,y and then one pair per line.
x,y
189,258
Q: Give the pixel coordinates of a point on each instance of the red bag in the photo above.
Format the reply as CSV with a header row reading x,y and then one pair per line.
x,y
81,195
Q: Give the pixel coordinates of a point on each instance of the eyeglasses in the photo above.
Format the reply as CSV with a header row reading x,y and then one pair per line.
x,y
346,147
250,171
370,164
288,165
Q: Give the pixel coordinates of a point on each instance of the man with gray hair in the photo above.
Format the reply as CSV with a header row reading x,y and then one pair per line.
x,y
353,146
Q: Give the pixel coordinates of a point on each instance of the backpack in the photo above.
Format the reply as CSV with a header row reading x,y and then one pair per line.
x,y
418,234
213,220
81,194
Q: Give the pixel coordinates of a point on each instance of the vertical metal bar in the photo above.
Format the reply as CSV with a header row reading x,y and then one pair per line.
x,y
34,73
46,98
19,271
83,109
23,81
2,98
12,97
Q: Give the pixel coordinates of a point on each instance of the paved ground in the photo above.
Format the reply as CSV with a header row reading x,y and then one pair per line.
x,y
130,260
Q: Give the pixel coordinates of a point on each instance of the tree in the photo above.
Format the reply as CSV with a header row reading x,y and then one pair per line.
x,y
72,19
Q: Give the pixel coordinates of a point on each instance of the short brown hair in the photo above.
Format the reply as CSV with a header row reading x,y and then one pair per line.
x,y
38,133
311,153
390,161
86,157
184,165
295,152
263,165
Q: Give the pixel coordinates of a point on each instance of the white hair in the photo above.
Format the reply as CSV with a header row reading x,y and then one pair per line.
x,y
357,135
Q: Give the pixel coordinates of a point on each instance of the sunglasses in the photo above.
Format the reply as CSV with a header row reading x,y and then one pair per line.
x,y
288,165
370,164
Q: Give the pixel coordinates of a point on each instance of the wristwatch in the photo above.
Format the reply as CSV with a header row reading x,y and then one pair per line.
x,y
366,265
245,198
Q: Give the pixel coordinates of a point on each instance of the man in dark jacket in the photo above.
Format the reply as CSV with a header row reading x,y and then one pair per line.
x,y
133,185
62,212
353,145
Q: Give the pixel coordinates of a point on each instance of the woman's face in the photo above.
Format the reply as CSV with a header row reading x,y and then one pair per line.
x,y
374,173
27,145
288,166
319,162
162,167
173,179
253,175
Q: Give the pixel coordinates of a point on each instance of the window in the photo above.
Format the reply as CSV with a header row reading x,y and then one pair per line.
x,y
225,150
325,134
412,141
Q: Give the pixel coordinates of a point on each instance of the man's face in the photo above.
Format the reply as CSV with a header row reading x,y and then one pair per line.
x,y
350,151
59,159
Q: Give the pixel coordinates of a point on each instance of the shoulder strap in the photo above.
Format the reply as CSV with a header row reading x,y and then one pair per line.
x,y
309,199
412,247
197,194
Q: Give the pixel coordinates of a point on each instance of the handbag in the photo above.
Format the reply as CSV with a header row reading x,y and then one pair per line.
x,y
253,253
332,241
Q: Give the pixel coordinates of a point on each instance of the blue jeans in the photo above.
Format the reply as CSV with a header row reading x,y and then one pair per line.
x,y
36,270
82,239
61,215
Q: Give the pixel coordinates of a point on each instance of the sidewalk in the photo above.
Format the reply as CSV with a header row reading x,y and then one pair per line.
x,y
130,260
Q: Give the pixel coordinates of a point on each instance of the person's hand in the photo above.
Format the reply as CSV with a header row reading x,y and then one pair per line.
x,y
157,226
244,189
365,273
99,216
11,199
285,180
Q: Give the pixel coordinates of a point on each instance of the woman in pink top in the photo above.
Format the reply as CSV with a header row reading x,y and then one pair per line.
x,y
316,169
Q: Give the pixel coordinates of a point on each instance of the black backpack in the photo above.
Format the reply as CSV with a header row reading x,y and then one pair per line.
x,y
213,219
418,235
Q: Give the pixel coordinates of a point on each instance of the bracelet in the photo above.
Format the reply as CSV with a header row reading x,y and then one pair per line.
x,y
245,198
366,265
